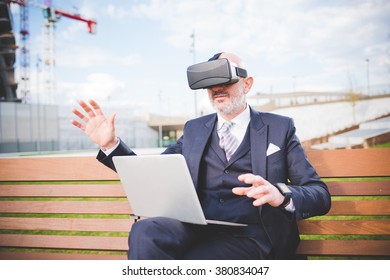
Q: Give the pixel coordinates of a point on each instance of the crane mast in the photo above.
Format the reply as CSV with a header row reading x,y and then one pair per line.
x,y
51,16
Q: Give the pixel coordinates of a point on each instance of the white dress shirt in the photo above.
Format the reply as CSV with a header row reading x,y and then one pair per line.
x,y
240,126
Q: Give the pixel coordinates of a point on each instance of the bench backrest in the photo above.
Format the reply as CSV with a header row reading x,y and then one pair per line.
x,y
358,223
57,206
75,208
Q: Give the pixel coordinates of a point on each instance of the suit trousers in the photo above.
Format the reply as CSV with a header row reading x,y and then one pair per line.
x,y
164,238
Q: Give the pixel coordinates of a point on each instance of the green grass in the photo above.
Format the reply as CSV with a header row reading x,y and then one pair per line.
x,y
4,250
356,179
385,145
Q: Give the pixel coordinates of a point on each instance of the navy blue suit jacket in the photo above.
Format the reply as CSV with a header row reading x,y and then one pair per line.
x,y
288,165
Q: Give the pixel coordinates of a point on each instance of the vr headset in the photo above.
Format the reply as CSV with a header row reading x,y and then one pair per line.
x,y
214,73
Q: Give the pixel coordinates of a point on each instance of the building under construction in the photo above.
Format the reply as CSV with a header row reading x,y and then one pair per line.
x,y
26,127
8,84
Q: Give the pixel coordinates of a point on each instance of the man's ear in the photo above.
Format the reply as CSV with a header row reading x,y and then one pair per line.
x,y
248,84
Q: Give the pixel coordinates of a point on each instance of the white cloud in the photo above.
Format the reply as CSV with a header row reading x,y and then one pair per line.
x,y
99,86
74,56
117,12
277,30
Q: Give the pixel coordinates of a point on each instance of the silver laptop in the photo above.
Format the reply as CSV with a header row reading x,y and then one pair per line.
x,y
161,185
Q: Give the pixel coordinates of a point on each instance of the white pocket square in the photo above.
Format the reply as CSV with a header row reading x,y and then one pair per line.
x,y
272,148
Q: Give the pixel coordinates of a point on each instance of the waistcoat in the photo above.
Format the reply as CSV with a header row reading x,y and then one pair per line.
x,y
218,177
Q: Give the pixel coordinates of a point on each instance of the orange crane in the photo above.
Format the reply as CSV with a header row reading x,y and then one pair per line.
x,y
49,11
51,16
90,23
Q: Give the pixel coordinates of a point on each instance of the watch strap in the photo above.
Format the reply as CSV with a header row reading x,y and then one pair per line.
x,y
286,192
286,201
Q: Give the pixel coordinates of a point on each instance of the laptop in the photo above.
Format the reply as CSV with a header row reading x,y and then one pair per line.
x,y
161,186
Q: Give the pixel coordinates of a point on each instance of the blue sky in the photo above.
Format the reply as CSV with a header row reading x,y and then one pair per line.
x,y
141,50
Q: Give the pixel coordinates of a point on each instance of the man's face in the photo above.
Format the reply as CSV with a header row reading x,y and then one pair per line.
x,y
228,100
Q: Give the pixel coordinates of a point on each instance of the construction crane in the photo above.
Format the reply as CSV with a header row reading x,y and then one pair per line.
x,y
24,60
51,16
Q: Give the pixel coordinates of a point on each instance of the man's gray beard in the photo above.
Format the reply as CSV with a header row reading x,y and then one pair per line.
x,y
235,105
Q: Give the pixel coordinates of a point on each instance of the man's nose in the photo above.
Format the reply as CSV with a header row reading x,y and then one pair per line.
x,y
217,88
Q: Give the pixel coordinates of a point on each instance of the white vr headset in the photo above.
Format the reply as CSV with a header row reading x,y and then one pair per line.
x,y
214,72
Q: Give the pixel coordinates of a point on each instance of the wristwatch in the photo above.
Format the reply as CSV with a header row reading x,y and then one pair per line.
x,y
286,192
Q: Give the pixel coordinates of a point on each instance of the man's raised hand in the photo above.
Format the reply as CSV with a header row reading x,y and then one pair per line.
x,y
93,122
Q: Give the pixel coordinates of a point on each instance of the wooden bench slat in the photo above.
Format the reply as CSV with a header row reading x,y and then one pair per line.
x,y
340,163
54,169
64,242
309,247
58,256
359,188
339,208
345,247
66,207
116,190
368,227
365,227
337,163
77,190
360,207
66,224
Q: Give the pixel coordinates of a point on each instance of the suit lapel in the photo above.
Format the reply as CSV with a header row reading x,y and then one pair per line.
x,y
198,147
214,145
258,137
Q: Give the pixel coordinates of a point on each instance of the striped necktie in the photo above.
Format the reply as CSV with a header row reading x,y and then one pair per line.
x,y
228,141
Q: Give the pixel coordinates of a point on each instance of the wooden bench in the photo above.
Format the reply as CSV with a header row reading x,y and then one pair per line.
x,y
75,208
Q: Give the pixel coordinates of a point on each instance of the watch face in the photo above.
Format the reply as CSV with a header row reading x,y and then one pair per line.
x,y
284,188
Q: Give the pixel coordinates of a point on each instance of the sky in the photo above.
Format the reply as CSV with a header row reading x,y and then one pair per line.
x,y
141,50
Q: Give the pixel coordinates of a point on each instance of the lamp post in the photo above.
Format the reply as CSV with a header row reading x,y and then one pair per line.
x,y
194,60
294,83
368,76
295,100
160,130
39,61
